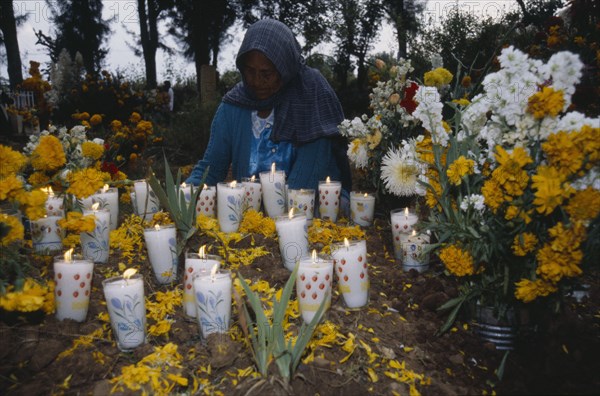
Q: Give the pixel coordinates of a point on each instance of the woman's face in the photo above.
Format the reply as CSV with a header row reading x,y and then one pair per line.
x,y
260,75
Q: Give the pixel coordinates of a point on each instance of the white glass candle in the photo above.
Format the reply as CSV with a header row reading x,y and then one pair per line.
x,y
412,252
253,193
195,263
47,235
329,199
302,200
108,198
350,261
362,208
133,199
313,285
161,242
73,277
147,202
127,310
187,190
402,225
273,187
292,232
230,202
95,244
213,301
206,204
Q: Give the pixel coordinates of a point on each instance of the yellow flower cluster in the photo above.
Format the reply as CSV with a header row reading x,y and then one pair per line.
x,y
157,373
459,168
324,232
85,182
16,230
160,218
77,223
528,290
561,255
158,311
437,78
255,222
48,155
92,150
458,261
547,102
128,239
32,297
524,243
509,179
11,161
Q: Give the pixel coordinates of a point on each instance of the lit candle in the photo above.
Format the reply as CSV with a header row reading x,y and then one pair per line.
x,y
195,263
147,202
47,235
187,191
55,205
292,232
108,198
413,256
253,193
213,300
329,199
402,224
95,244
206,202
127,309
273,187
350,260
161,243
362,208
303,200
73,278
230,200
313,285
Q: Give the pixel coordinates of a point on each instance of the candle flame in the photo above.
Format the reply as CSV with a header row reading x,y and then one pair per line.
x,y
202,251
157,227
328,180
406,212
366,195
232,184
183,185
346,242
129,272
205,187
414,233
69,255
105,188
48,191
95,206
314,256
253,178
291,213
213,272
273,167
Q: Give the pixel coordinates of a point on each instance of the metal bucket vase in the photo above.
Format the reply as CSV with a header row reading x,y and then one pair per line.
x,y
503,333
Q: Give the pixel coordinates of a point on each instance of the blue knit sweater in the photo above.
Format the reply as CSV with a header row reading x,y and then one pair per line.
x,y
230,142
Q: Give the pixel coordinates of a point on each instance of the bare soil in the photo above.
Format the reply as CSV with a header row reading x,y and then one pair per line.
x,y
560,356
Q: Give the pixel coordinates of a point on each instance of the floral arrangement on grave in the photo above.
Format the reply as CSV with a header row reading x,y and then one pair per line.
x,y
513,185
374,139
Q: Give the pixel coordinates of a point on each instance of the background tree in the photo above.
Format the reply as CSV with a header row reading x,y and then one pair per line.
x,y
403,15
77,27
8,37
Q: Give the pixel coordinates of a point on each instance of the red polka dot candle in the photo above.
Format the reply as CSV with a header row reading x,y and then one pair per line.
x,y
313,284
206,204
351,269
196,263
73,277
252,194
329,199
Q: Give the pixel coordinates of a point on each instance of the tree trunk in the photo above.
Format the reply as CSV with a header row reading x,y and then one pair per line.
x,y
148,44
200,40
9,30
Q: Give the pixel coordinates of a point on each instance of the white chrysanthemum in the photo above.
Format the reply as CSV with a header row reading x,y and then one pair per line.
x,y
399,173
475,201
429,112
513,60
591,179
573,121
358,153
564,68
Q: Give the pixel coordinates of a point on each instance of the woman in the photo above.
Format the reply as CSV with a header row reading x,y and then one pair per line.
x,y
282,111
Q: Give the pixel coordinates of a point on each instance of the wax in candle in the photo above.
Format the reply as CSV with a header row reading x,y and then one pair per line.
x,y
73,280
206,204
329,199
161,243
230,199
108,198
402,225
313,285
412,252
147,202
252,194
95,244
352,272
127,310
292,233
213,299
195,264
273,188
47,235
362,208
302,200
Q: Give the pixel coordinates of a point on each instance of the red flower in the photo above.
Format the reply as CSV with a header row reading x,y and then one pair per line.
x,y
109,167
409,93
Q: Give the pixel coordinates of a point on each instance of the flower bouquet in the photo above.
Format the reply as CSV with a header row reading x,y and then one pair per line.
x,y
513,185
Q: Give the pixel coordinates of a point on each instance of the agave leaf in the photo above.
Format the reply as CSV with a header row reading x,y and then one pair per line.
x,y
305,334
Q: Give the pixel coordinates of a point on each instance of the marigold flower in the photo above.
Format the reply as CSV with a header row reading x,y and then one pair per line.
x,y
563,153
524,243
459,262
10,187
550,190
460,168
528,290
135,117
49,154
16,230
437,78
11,161
547,102
85,182
92,150
584,205
96,120
255,222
